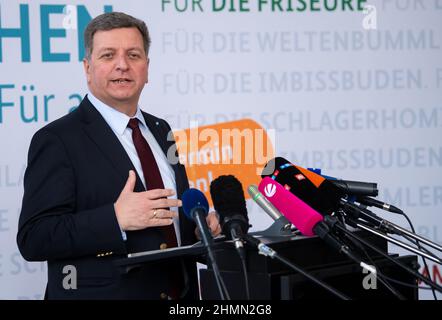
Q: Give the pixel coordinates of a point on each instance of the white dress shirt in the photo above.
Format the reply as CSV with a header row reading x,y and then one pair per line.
x,y
118,122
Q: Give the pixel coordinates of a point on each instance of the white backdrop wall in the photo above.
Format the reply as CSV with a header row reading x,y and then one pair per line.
x,y
356,94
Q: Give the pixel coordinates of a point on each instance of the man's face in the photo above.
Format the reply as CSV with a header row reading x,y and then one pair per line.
x,y
117,69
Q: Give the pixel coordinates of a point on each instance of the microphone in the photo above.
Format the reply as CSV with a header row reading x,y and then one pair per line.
x,y
306,219
196,207
230,204
359,212
263,202
379,204
354,188
290,206
269,208
312,188
228,199
357,188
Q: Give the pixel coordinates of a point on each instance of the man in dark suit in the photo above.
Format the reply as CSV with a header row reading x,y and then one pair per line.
x,y
100,182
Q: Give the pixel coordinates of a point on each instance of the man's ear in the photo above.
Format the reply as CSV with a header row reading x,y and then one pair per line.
x,y
147,70
86,66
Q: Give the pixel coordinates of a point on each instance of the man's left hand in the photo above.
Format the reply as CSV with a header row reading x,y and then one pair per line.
x,y
213,224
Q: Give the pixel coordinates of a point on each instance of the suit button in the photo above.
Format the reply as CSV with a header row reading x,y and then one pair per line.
x,y
163,296
163,246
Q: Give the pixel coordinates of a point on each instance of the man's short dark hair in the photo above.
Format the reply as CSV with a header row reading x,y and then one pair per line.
x,y
114,20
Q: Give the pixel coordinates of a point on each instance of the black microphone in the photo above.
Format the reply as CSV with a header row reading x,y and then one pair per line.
x,y
357,188
315,190
230,204
357,211
379,204
319,192
349,187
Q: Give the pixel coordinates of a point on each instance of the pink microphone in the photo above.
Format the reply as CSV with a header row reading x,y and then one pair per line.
x,y
306,219
294,209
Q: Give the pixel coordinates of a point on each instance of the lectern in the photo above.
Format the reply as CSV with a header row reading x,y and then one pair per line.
x,y
270,279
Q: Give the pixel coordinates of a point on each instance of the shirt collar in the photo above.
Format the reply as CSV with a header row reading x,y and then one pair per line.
x,y
115,119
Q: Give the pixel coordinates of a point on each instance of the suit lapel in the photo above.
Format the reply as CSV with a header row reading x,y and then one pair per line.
x,y
99,131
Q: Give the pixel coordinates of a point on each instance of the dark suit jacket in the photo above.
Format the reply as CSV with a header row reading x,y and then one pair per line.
x,y
76,171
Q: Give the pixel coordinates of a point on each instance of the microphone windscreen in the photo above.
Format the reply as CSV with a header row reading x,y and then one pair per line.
x,y
194,199
228,196
300,214
230,204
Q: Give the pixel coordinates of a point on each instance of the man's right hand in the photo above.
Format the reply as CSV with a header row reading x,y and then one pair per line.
x,y
140,210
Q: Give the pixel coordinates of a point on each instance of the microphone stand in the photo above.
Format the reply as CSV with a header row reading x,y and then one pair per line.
x,y
396,242
280,227
219,280
387,227
385,224
207,240
417,237
324,232
269,252
379,251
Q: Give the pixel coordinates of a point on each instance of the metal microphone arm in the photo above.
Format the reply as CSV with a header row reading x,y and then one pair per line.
x,y
395,241
402,265
385,225
417,237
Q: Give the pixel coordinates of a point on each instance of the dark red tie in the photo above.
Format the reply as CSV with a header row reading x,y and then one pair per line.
x,y
153,180
152,175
